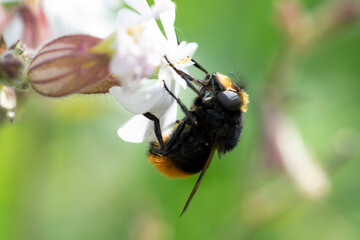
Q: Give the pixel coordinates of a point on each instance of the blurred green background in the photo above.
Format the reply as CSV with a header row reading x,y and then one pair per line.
x,y
65,174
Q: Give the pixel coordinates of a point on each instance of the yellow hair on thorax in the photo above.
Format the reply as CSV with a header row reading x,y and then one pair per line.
x,y
244,99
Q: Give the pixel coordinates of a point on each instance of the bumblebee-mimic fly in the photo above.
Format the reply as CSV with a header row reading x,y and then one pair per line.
x,y
214,122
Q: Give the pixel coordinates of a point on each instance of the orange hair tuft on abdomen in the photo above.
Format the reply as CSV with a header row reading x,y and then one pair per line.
x,y
166,166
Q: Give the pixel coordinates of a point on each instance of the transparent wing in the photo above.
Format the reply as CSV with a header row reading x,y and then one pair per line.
x,y
197,184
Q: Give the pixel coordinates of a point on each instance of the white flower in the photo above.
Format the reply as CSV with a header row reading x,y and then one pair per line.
x,y
80,16
140,51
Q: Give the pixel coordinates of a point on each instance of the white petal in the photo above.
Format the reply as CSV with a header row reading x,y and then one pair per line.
x,y
155,99
139,128
126,17
162,100
167,20
166,120
80,16
187,64
136,129
169,117
149,19
190,49
139,5
166,73
136,101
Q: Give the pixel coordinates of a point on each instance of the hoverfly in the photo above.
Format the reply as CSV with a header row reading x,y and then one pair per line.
x,y
214,122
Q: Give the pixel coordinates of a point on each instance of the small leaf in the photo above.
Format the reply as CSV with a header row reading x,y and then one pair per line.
x,y
65,65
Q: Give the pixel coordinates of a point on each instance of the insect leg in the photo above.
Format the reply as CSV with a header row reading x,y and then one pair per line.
x,y
188,79
157,128
175,135
196,64
181,104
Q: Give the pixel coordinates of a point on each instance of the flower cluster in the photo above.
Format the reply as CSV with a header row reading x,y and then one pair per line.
x,y
139,53
130,64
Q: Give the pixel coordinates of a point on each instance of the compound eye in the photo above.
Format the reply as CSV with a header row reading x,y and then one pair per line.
x,y
229,100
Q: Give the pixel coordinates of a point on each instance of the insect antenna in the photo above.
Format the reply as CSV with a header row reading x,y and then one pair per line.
x,y
239,81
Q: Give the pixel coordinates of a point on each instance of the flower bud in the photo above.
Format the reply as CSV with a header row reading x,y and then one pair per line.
x,y
67,65
12,65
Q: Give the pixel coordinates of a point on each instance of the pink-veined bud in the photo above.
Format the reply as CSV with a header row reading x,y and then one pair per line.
x,y
5,17
36,27
67,65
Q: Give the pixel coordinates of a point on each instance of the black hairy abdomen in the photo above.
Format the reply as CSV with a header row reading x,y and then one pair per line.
x,y
192,147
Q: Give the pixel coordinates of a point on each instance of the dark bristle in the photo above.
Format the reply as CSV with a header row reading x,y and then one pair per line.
x,y
239,80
